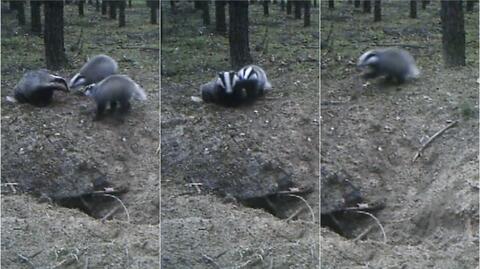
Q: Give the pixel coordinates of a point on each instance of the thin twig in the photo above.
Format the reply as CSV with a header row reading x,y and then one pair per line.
x,y
295,213
377,221
305,201
360,236
25,259
431,139
113,211
120,201
210,260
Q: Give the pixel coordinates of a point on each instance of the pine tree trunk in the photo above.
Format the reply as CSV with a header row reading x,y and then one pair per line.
x,y
453,33
282,5
81,4
413,9
357,3
129,3
172,6
121,13
104,7
206,12
20,8
315,4
377,10
154,5
238,34
97,5
470,5
265,7
36,18
298,9
306,14
425,3
197,4
112,9
289,7
331,4
220,17
53,37
367,6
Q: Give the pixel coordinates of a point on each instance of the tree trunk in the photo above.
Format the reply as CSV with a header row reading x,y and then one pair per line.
x,y
265,7
154,5
289,7
331,4
306,14
282,5
453,33
238,34
220,23
413,9
104,7
20,8
367,6
206,12
425,3
97,5
197,4
36,18
315,3
81,4
298,9
53,37
129,3
121,13
377,10
470,5
357,3
112,9
172,6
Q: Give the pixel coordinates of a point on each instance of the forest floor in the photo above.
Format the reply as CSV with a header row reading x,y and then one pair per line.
x,y
373,130
219,163
58,151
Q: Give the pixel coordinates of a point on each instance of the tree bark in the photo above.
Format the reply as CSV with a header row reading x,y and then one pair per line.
x,y
289,7
331,4
377,11
129,3
81,4
220,23
425,3
172,6
357,3
306,14
265,7
35,15
298,9
470,5
121,13
413,9
282,5
238,34
104,7
20,8
97,5
53,37
112,9
367,6
197,4
154,5
206,12
315,4
453,33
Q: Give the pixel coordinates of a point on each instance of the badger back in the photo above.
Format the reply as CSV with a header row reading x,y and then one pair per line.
x,y
117,87
95,70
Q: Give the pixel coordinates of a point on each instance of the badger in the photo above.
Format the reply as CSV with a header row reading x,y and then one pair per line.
x,y
253,80
96,69
222,90
113,90
37,87
393,63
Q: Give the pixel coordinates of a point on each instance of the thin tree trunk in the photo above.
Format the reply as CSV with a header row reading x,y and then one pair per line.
x,y
298,9
36,18
331,4
289,7
306,14
104,7
197,4
367,6
413,9
121,13
220,17
453,33
238,34
81,4
113,9
172,6
282,5
97,5
425,3
206,12
315,4
53,37
470,5
129,3
357,3
265,7
377,11
154,5
20,8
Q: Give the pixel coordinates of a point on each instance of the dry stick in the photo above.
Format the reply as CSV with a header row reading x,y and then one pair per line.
x,y
25,259
305,201
360,236
210,260
377,221
120,201
431,139
113,211
295,213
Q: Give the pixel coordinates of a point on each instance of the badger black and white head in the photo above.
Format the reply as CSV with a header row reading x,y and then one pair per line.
x,y
113,90
96,69
221,90
226,81
37,87
253,81
389,62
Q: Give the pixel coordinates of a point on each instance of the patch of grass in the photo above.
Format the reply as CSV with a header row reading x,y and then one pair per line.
x,y
468,110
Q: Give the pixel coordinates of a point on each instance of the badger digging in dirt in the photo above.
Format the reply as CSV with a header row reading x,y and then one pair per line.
x,y
96,69
393,63
113,90
236,88
37,87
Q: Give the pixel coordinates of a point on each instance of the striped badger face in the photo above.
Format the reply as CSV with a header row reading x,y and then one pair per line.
x,y
368,58
248,73
90,90
227,80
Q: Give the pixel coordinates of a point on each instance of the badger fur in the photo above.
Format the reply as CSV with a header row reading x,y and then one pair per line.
x,y
113,90
37,87
393,63
253,80
96,69
222,90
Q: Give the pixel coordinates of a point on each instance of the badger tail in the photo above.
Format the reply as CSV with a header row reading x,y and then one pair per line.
x,y
268,86
11,99
414,72
139,93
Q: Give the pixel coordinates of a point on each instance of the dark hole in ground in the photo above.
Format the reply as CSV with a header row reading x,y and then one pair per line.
x,y
94,205
279,206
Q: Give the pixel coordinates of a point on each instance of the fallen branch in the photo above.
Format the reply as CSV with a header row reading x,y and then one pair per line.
x,y
431,139
377,221
306,203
